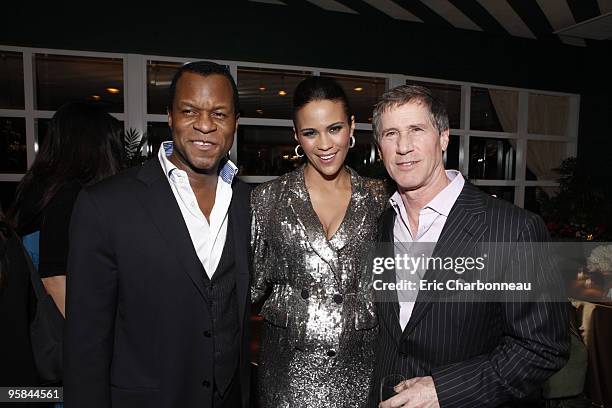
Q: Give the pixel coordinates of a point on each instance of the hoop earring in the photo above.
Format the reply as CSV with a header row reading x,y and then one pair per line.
x,y
296,151
352,142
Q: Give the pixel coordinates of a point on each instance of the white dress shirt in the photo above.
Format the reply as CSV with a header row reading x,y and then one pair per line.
x,y
432,218
208,239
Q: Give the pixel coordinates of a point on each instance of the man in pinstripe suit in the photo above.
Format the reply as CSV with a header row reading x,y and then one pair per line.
x,y
470,354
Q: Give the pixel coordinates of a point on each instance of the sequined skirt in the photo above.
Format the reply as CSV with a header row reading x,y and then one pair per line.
x,y
317,376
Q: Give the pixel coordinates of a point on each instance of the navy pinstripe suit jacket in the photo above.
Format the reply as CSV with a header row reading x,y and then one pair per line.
x,y
479,354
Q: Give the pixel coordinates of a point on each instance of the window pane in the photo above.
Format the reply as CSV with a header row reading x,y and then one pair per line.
x,y
159,77
157,132
364,158
11,80
548,114
61,79
449,95
362,93
7,195
544,158
42,128
266,151
363,155
491,159
267,93
535,195
494,110
13,153
452,152
502,192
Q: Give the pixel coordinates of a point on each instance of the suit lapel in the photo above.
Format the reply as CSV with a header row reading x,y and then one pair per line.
x,y
305,216
164,212
239,223
388,301
356,212
463,228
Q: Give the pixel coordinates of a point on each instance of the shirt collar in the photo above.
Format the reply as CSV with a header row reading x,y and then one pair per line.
x,y
443,202
227,170
396,202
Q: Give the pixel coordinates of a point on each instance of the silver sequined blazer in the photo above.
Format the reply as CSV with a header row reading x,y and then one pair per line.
x,y
304,272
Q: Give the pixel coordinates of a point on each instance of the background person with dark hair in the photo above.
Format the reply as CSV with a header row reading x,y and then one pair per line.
x,y
82,147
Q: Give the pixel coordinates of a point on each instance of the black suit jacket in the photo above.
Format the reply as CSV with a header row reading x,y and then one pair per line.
x,y
137,313
479,354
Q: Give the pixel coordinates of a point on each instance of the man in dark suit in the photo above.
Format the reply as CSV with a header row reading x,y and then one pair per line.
x,y
455,354
157,295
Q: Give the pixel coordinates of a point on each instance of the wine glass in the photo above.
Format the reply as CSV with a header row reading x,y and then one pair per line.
x,y
388,384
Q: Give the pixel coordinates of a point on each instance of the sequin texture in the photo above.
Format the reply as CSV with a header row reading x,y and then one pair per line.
x,y
317,346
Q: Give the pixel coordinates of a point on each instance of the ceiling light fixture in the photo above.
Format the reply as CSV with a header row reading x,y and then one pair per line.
x,y
358,89
282,92
113,91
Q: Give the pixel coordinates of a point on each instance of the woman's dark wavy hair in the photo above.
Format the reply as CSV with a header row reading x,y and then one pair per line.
x,y
318,88
83,144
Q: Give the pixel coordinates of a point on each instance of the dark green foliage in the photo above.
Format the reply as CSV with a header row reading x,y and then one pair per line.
x,y
583,206
135,147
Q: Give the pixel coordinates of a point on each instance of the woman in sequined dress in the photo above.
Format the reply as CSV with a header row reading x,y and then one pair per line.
x,y
312,230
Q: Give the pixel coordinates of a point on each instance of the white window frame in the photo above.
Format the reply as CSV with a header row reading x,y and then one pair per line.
x,y
135,113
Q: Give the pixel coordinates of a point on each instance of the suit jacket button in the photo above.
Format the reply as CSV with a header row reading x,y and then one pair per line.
x,y
331,353
207,333
338,298
304,294
206,384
